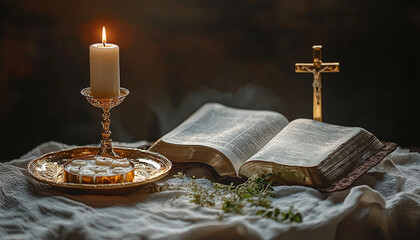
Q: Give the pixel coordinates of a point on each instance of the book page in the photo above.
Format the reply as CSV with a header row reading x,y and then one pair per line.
x,y
305,143
237,133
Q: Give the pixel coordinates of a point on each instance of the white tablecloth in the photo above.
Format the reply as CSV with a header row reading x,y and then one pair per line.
x,y
382,204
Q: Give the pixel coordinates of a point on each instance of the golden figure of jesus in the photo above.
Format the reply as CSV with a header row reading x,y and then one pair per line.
x,y
316,68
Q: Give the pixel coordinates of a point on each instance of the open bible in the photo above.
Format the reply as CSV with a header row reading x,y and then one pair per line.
x,y
237,142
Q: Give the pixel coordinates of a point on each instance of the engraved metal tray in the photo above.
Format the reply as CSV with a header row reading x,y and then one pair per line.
x,y
49,170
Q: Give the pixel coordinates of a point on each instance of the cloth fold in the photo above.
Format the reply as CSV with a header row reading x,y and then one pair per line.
x,y
382,204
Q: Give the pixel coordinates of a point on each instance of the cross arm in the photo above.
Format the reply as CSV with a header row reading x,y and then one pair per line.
x,y
307,67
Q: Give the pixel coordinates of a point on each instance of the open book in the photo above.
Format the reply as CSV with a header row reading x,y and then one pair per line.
x,y
238,142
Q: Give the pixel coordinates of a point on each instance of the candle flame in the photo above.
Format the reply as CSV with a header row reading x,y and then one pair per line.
x,y
103,35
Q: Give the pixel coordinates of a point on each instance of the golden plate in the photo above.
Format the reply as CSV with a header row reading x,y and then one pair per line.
x,y
49,169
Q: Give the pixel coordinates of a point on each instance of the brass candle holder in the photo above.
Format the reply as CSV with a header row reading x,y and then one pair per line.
x,y
106,104
49,170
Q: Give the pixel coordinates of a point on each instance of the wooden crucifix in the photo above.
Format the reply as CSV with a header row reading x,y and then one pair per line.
x,y
316,68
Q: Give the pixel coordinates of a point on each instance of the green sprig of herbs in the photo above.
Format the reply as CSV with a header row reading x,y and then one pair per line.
x,y
252,196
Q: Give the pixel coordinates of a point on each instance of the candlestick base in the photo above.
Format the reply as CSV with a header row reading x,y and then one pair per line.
x,y
106,104
48,171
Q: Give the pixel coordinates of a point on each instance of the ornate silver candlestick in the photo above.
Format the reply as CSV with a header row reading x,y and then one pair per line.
x,y
106,104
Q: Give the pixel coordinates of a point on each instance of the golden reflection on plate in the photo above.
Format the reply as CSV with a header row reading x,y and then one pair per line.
x,y
49,169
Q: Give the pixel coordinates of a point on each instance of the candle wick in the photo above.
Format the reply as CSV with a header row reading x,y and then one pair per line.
x,y
103,43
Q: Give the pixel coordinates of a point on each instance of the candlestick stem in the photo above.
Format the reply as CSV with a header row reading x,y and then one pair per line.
x,y
106,104
106,142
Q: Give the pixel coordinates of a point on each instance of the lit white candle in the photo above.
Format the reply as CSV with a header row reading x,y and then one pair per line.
x,y
104,69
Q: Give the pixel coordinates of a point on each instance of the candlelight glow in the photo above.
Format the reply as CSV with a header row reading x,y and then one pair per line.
x,y
103,35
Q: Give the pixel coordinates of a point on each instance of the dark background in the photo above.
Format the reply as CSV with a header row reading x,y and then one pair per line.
x,y
177,55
